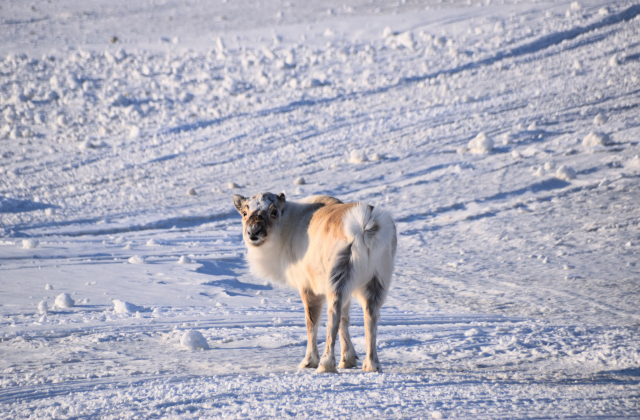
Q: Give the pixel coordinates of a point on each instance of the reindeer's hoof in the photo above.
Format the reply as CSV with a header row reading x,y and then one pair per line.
x,y
327,367
309,363
371,366
348,363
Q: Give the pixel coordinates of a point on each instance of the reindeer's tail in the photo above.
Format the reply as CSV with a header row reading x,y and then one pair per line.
x,y
372,235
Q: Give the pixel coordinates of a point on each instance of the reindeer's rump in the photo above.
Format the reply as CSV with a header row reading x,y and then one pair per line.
x,y
352,236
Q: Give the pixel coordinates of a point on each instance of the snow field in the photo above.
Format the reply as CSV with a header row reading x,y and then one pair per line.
x,y
502,137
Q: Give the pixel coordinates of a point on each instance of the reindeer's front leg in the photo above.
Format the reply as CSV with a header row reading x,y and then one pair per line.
x,y
313,311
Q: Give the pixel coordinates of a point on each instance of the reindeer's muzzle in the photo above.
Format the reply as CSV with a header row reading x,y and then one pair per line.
x,y
256,229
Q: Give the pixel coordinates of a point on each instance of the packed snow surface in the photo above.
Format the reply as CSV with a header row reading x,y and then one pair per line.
x,y
126,128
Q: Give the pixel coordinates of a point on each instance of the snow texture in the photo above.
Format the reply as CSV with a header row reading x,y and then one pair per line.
x,y
515,287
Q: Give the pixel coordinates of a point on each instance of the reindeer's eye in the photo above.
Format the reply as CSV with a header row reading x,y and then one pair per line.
x,y
244,214
274,213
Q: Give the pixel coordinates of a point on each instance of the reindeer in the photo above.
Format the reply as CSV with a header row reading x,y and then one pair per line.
x,y
328,250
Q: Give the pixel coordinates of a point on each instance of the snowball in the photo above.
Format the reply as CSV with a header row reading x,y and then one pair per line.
x,y
405,39
184,260
49,212
377,157
122,307
136,260
565,173
64,301
515,154
151,242
194,340
613,61
192,192
576,5
134,132
603,11
232,185
48,287
594,139
471,332
633,162
90,144
600,119
29,243
299,181
42,307
358,156
480,144
437,415
549,166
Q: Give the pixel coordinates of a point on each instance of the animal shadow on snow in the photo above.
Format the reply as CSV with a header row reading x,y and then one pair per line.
x,y
228,268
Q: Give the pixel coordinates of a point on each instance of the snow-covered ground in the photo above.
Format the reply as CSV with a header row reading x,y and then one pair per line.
x,y
503,136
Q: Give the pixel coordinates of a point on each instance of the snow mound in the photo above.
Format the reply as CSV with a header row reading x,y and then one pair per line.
x,y
134,132
600,119
184,260
91,144
152,242
358,156
136,260
232,185
64,301
29,243
122,307
471,332
633,162
376,157
43,308
480,144
192,192
48,287
299,181
595,138
194,340
565,173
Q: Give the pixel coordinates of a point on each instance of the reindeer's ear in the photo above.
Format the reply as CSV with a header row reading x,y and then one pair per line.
x,y
238,201
281,200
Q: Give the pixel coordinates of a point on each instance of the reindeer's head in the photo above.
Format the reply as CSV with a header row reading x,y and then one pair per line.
x,y
260,214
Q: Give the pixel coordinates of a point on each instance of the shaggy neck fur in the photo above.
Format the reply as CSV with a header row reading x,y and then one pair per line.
x,y
281,248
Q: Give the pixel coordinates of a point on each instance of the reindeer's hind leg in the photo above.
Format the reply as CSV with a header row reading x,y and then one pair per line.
x,y
349,357
339,284
372,298
313,311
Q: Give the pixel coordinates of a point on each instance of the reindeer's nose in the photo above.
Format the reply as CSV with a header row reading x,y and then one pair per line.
x,y
253,231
